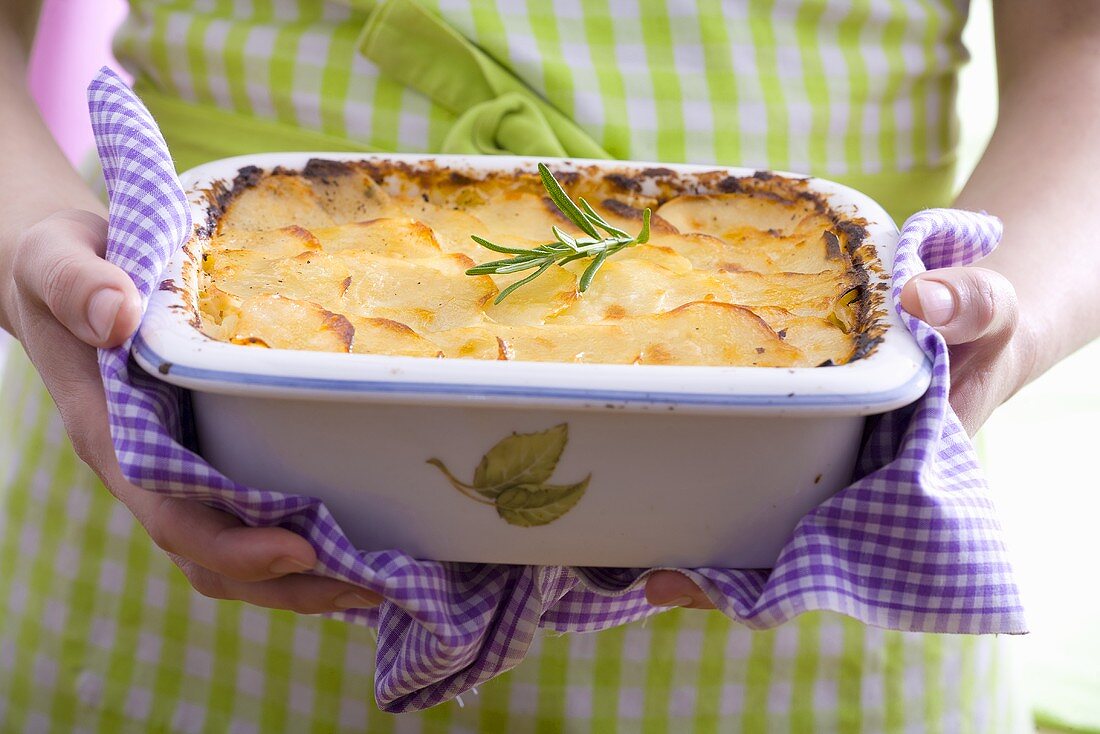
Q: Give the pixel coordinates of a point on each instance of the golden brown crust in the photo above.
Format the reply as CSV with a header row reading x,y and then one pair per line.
x,y
380,249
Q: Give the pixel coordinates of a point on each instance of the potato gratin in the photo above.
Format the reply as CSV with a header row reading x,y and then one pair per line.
x,y
371,258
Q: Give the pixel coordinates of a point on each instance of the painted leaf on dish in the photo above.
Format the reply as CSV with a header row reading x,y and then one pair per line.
x,y
522,458
512,476
528,505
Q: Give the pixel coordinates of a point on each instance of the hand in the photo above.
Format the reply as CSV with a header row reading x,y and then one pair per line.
x,y
61,299
976,311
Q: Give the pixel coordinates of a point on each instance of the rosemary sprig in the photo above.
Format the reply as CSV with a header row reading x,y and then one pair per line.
x,y
565,248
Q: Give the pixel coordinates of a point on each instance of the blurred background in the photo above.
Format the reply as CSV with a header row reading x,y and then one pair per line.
x,y
1035,448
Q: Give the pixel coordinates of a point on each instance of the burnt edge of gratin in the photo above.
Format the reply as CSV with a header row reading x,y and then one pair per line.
x,y
848,232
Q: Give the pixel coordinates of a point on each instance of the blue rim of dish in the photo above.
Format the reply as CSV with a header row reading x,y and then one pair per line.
x,y
475,391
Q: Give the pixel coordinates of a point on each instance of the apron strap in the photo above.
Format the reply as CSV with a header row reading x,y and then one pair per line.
x,y
496,113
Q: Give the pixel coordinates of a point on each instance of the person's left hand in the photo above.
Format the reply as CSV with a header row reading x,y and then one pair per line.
x,y
976,311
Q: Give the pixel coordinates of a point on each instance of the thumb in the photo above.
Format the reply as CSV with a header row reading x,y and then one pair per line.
x,y
60,266
964,304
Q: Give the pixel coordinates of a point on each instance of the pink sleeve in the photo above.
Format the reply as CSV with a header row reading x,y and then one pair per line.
x,y
73,42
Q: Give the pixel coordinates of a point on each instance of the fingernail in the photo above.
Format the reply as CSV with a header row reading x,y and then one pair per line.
x,y
289,565
354,600
937,302
103,308
680,601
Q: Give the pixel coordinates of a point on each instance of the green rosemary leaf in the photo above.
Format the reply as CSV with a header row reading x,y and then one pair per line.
x,y
590,271
643,236
494,267
600,222
521,266
556,248
565,248
498,248
564,237
528,255
564,203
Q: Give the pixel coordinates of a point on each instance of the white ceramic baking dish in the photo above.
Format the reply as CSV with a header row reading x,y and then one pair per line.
x,y
633,465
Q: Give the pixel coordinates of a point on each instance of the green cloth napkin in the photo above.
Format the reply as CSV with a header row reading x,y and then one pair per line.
x,y
496,113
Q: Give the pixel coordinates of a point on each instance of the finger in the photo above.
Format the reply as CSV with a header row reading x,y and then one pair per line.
x,y
674,589
296,593
964,304
60,264
220,542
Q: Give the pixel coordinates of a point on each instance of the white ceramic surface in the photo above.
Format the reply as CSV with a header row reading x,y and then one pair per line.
x,y
689,466
665,489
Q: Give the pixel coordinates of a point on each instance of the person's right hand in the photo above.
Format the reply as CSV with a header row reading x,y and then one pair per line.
x,y
61,299
976,311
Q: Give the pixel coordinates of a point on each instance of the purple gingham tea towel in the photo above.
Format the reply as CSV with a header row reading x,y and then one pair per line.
x,y
913,545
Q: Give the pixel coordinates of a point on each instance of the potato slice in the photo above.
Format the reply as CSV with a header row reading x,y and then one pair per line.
x,y
288,323
818,339
755,251
455,190
707,252
282,242
804,294
219,332
708,333
520,214
275,201
310,276
637,287
215,304
658,254
385,336
533,303
721,214
470,342
348,193
811,252
602,343
698,333
629,287
762,234
427,294
452,227
391,236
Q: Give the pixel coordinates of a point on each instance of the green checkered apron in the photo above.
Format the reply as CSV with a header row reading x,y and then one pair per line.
x,y
98,630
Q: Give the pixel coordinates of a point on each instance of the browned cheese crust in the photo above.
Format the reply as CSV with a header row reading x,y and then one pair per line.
x,y
370,258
